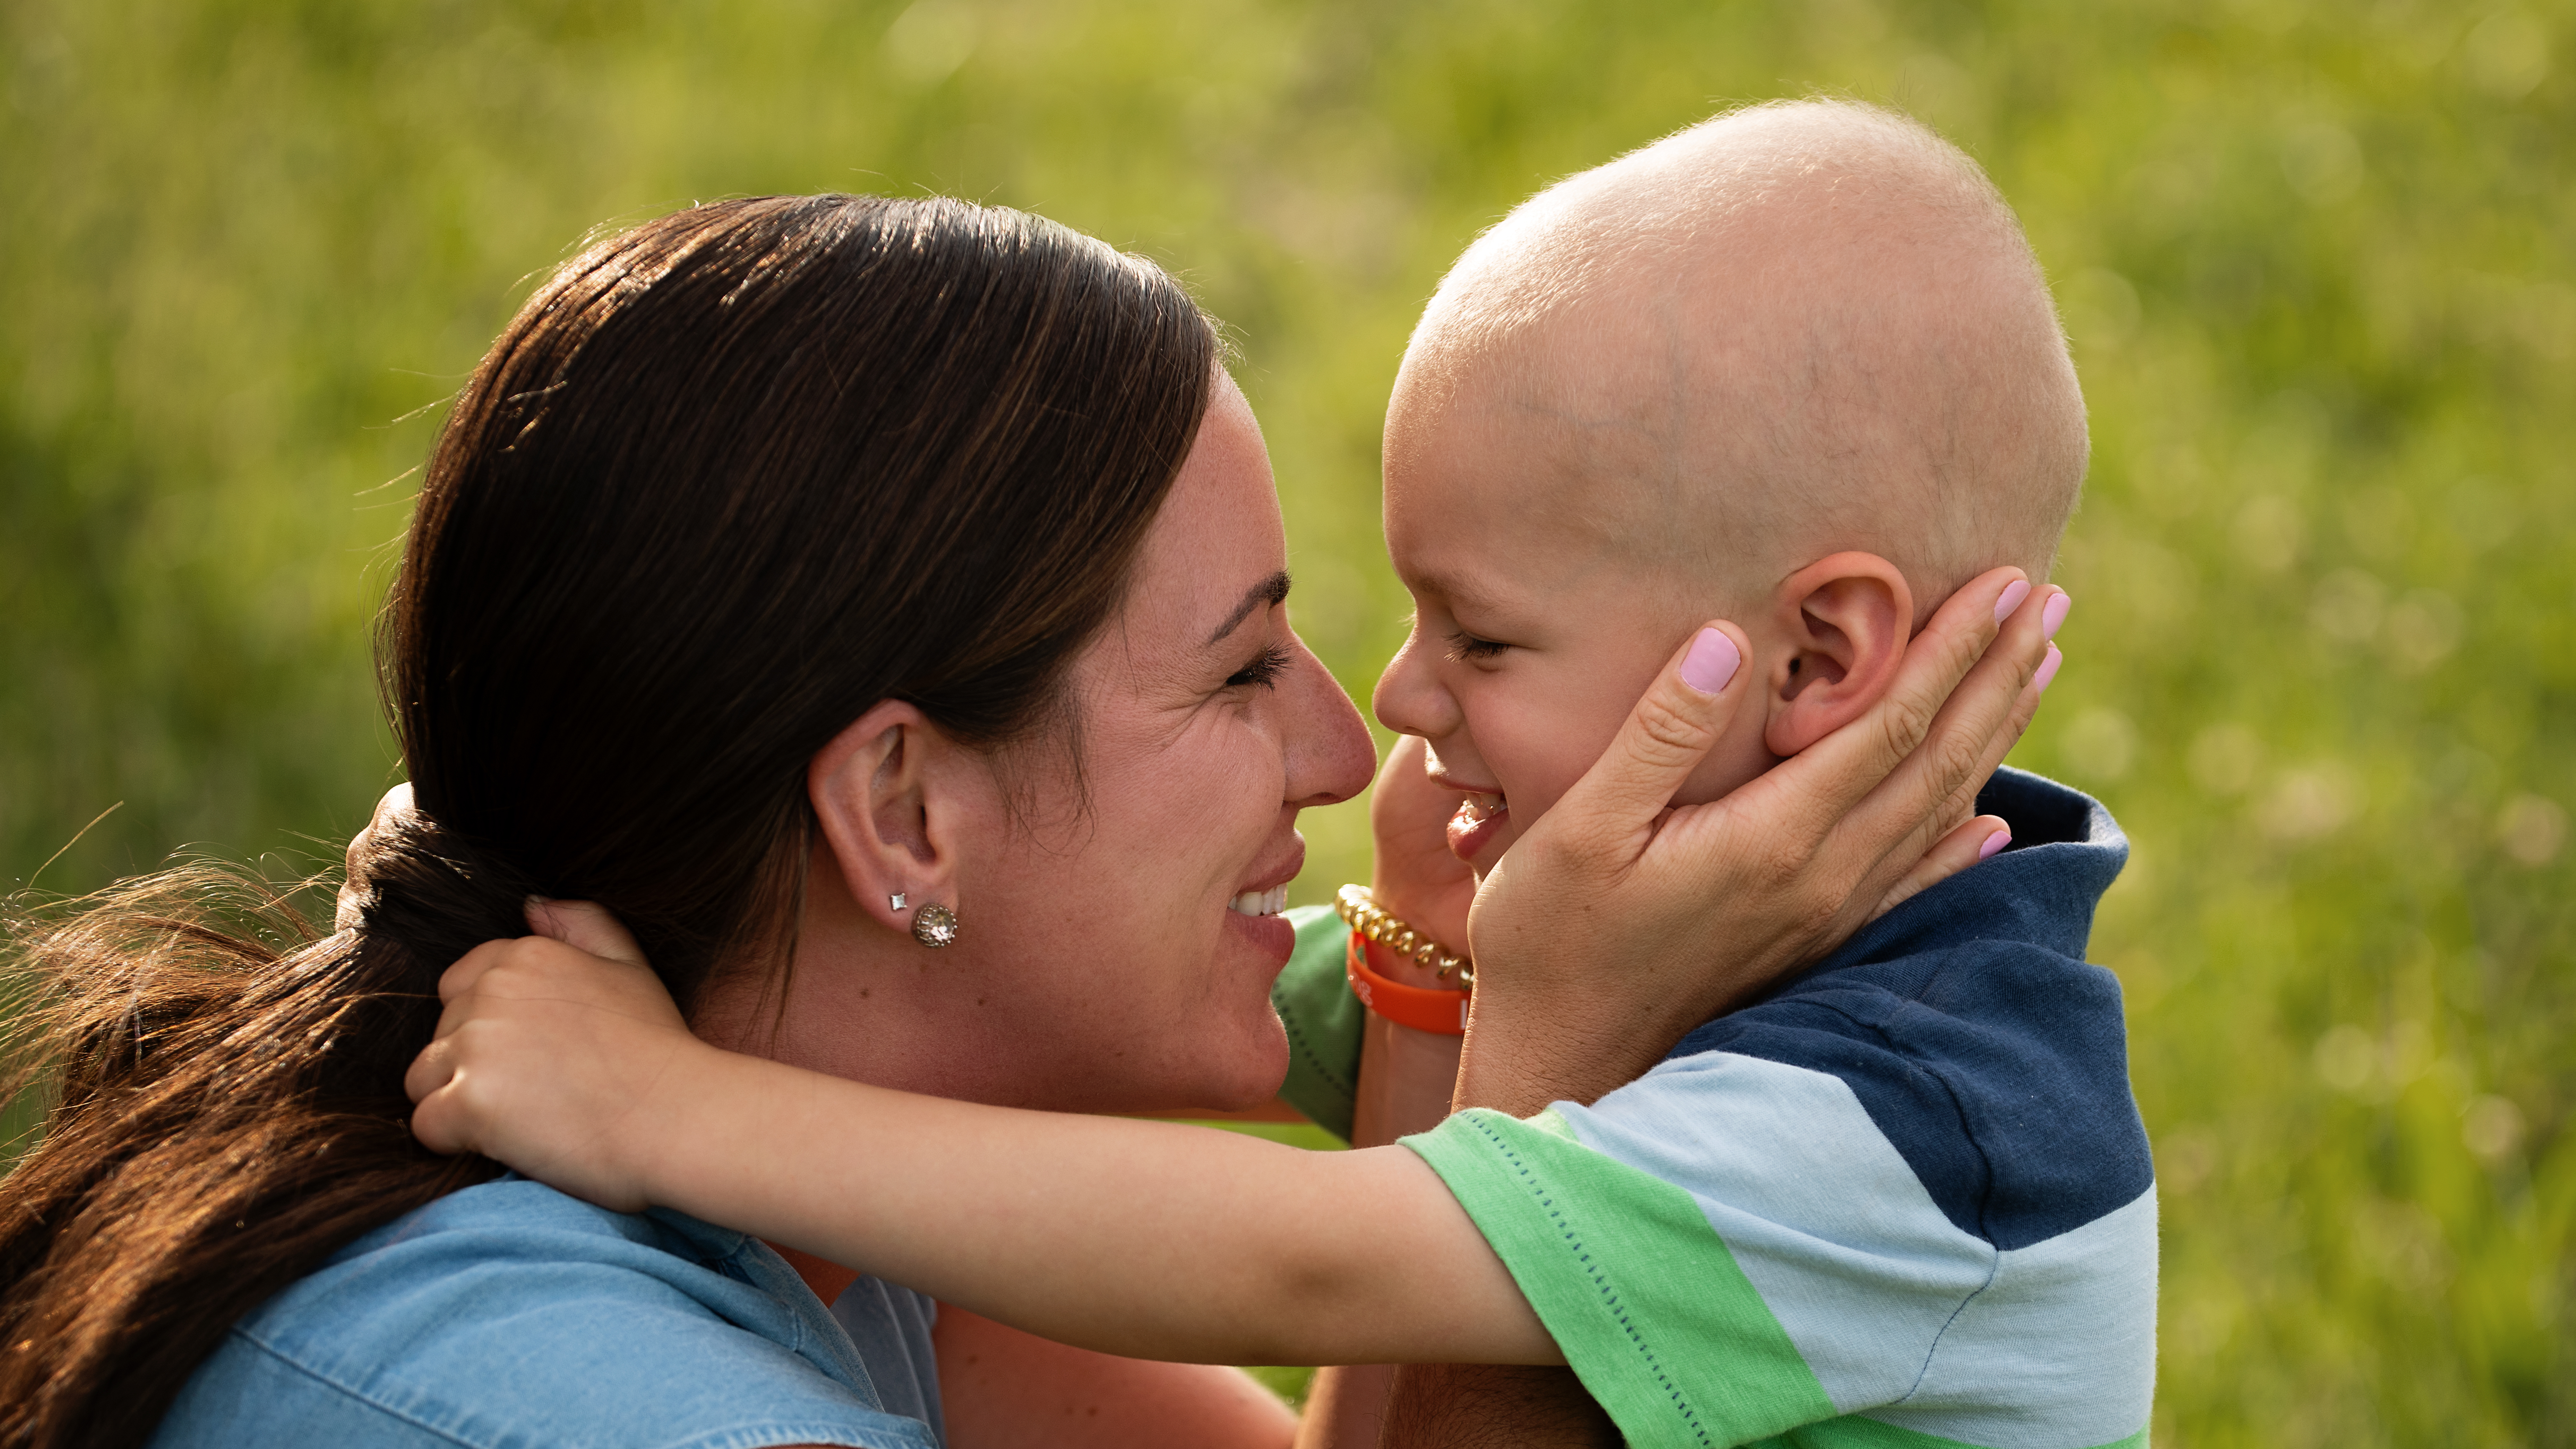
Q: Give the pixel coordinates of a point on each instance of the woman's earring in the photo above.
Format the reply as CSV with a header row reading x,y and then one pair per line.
x,y
898,898
934,926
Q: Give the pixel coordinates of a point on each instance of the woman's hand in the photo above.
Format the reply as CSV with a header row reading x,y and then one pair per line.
x,y
556,1054
1618,923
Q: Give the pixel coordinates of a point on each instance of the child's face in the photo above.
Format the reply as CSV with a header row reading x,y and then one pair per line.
x,y
1535,631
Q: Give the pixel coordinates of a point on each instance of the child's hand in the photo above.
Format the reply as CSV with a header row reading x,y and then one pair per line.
x,y
1416,876
552,1054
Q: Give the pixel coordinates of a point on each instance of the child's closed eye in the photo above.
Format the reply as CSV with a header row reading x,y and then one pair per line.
x,y
1465,647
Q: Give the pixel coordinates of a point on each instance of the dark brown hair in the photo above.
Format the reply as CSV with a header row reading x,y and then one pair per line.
x,y
726,481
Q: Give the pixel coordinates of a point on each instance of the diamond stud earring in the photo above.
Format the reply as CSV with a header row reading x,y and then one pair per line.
x,y
898,898
935,925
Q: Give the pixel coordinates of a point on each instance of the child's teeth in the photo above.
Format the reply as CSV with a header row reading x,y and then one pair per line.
x,y
1480,808
1260,903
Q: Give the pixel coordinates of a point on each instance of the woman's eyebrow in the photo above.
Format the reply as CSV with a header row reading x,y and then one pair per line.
x,y
1272,590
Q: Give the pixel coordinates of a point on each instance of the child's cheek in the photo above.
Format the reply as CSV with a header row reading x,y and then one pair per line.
x,y
1537,766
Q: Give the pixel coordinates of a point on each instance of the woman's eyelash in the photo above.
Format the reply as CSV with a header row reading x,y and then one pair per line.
x,y
1464,647
1263,671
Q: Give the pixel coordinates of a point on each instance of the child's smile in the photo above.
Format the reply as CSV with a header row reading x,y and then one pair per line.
x,y
1480,819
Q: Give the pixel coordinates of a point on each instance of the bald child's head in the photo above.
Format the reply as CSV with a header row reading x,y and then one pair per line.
x,y
1795,368
1793,330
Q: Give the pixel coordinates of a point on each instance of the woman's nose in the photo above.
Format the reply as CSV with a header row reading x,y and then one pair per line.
x,y
1330,755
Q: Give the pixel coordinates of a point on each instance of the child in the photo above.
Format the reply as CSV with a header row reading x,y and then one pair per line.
x,y
1795,367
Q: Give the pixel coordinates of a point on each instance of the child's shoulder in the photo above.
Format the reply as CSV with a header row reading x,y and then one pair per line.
x,y
1968,1031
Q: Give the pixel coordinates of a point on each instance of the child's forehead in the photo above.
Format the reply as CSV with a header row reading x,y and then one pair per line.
x,y
1552,416
1584,444
1508,540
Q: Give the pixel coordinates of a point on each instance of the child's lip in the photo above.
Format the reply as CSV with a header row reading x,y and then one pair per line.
x,y
1480,818
1449,782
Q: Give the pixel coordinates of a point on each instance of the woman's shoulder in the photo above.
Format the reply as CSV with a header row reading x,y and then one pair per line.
x,y
511,1313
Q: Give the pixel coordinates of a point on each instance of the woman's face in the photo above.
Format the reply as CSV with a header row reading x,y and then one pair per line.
x,y
1119,927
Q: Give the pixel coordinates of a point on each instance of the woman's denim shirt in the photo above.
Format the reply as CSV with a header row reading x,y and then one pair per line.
x,y
511,1314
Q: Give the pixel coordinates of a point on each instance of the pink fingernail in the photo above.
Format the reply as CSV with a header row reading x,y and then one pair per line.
x,y
2013,594
2053,613
2048,669
1711,662
1994,843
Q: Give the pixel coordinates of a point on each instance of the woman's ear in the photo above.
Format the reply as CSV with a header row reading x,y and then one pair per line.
x,y
882,792
1846,619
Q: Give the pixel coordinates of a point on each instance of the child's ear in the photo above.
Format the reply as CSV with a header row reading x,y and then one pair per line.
x,y
1846,619
881,791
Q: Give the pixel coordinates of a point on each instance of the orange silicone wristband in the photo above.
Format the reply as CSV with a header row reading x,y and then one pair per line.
x,y
1442,1013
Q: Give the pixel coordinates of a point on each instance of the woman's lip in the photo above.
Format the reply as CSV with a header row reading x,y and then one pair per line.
x,y
1280,873
1272,935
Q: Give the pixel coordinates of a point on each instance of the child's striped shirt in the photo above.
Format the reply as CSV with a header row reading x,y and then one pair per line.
x,y
1903,1202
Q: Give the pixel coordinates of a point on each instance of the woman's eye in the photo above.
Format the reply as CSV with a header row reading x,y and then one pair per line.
x,y
1263,671
1465,647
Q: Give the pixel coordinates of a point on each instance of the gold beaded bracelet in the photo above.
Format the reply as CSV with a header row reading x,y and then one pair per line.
x,y
1359,909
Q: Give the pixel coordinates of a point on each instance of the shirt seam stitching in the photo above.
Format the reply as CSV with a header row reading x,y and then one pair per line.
x,y
1609,1296
1994,1270
1950,1093
345,1391
711,1437
1348,1092
1994,1258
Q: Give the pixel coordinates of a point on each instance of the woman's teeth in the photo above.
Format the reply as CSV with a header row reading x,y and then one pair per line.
x,y
1477,809
1260,903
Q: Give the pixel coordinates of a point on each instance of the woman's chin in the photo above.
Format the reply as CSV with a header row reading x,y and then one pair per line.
x,y
1250,1075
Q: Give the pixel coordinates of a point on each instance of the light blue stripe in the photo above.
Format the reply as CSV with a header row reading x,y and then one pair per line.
x,y
1860,1267
1897,1312
2059,1352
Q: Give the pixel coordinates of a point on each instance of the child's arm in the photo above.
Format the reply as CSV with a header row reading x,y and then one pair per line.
x,y
1146,1239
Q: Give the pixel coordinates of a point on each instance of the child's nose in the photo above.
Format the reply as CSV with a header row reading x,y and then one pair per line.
x,y
1410,698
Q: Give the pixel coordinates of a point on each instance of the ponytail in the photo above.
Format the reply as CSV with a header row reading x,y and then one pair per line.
x,y
227,1112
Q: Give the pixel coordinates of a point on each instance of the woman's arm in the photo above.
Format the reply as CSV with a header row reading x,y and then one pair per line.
x,y
1174,1242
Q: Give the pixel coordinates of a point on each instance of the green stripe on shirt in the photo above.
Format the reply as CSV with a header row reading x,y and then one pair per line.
x,y
1637,1289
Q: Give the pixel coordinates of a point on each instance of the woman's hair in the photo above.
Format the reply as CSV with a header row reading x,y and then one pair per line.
x,y
727,480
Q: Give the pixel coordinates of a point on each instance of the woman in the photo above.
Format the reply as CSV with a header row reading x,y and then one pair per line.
x,y
788,566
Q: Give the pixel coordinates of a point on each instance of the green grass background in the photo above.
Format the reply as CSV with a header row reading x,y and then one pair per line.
x,y
2315,259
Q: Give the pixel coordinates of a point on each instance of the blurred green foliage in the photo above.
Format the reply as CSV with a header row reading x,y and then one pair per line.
x,y
2315,259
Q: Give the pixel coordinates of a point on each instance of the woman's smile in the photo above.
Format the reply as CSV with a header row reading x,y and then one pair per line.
x,y
1253,912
